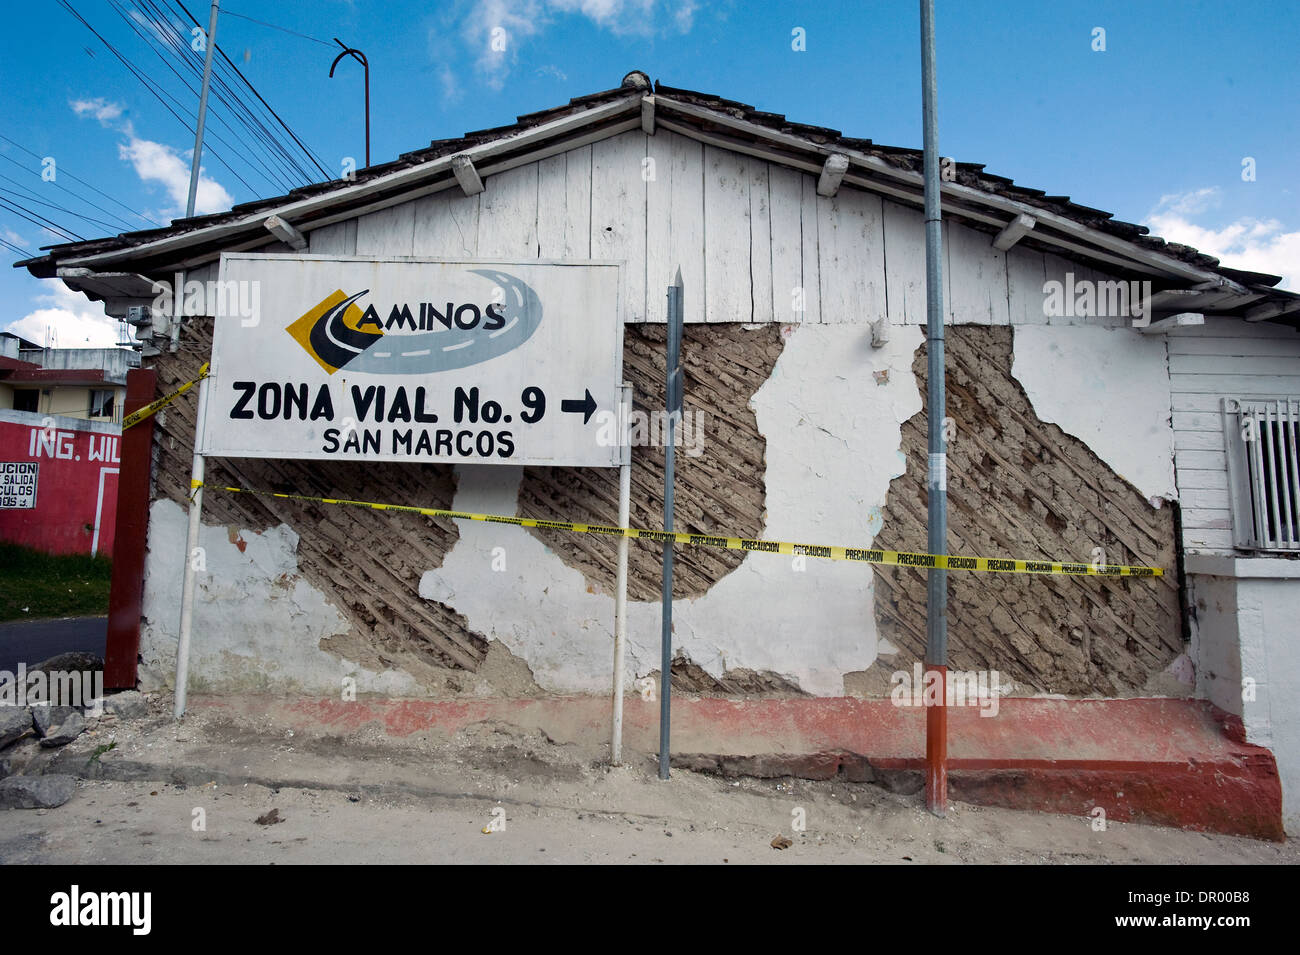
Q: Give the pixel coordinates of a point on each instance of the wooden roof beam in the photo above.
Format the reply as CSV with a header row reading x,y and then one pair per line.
x,y
1262,313
286,233
1015,230
462,167
1163,326
833,170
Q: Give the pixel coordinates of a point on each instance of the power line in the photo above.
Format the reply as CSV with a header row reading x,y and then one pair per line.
x,y
150,87
266,171
163,34
232,13
290,172
9,245
124,224
63,171
245,113
315,159
32,197
44,223
261,149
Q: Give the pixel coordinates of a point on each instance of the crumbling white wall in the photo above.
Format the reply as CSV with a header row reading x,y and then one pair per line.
x,y
1108,387
257,624
822,412
755,243
831,415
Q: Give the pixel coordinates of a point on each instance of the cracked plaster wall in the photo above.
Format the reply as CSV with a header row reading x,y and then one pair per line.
x,y
823,406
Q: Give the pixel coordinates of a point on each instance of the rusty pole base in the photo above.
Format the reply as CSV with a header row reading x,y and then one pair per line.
x,y
936,739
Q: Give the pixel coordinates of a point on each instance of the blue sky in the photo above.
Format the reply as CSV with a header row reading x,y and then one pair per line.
x,y
1154,128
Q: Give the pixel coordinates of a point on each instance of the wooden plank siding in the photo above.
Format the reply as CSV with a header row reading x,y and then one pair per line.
x,y
1207,363
753,240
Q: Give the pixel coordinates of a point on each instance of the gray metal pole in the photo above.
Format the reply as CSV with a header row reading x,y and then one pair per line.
x,y
674,407
936,646
197,470
211,42
620,586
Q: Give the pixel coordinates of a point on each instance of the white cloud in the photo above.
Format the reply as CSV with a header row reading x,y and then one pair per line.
x,y
498,27
76,321
618,16
14,238
684,16
450,85
100,108
1254,245
160,163
1190,203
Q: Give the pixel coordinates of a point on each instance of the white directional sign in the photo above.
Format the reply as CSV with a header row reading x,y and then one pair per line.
x,y
345,358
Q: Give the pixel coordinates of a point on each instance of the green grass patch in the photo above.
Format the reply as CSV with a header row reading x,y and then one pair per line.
x,y
34,585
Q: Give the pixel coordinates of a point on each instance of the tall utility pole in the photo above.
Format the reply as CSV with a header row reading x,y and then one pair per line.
x,y
936,644
197,463
210,46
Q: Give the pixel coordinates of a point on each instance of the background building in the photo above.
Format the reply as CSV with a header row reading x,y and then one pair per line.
x,y
84,383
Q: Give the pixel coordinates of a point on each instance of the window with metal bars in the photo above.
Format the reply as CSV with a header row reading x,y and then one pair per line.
x,y
1264,472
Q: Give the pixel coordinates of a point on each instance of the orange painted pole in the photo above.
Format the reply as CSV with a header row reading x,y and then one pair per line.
x,y
936,740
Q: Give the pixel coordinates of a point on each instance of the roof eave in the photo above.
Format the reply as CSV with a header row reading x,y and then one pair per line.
x,y
983,200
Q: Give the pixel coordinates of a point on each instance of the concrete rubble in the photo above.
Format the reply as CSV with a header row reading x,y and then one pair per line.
x,y
36,792
15,723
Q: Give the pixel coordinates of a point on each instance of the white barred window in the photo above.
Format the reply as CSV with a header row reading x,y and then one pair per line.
x,y
1264,472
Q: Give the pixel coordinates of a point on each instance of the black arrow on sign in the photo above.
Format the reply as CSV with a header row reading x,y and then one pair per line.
x,y
586,406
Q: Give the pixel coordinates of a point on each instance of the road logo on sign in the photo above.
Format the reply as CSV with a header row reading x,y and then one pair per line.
x,y
422,337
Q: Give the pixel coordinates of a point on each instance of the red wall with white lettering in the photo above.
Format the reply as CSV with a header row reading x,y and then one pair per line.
x,y
58,483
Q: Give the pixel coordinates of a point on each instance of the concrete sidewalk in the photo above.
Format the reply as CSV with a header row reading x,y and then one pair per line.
x,y
409,781
1159,761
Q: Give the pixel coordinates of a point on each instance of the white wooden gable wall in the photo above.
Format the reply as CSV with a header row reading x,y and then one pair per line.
x,y
1221,359
752,238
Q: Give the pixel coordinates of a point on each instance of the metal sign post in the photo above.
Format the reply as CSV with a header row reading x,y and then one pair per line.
x,y
191,542
620,591
674,408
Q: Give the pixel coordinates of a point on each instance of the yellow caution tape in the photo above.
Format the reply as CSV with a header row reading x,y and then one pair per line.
x,y
135,417
861,555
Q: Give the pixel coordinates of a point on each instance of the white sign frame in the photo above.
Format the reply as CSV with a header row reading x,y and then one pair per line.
x,y
216,441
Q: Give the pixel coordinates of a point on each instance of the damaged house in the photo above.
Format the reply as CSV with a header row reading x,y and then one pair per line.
x,y
1114,399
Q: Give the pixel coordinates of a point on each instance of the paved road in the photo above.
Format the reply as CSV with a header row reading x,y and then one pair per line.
x,y
31,641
